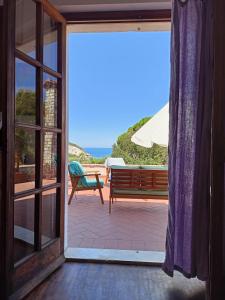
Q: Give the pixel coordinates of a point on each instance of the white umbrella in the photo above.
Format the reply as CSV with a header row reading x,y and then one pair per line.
x,y
155,131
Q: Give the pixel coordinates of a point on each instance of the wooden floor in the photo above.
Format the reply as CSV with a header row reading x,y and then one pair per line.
x,y
84,281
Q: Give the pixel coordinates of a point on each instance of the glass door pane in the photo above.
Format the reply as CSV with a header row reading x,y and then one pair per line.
x,y
25,86
23,227
26,27
50,42
24,160
50,158
48,216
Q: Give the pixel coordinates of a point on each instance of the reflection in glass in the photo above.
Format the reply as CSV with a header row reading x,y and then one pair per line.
x,y
50,100
26,27
24,159
50,42
25,92
49,158
48,216
23,227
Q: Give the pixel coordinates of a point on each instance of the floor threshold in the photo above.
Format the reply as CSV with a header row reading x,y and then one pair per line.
x,y
131,257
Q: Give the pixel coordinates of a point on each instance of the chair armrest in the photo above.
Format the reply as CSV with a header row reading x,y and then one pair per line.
x,y
92,174
86,174
76,176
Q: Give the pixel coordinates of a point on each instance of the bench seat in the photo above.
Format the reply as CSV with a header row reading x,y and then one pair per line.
x,y
139,192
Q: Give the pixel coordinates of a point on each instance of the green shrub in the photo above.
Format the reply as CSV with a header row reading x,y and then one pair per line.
x,y
134,154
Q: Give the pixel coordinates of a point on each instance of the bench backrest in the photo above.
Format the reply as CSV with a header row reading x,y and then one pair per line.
x,y
142,179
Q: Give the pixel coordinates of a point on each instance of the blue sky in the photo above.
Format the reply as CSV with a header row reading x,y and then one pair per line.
x,y
115,79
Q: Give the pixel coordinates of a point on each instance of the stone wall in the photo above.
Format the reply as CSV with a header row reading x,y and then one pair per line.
x,y
50,120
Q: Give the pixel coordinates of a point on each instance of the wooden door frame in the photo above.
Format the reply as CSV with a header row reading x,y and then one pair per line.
x,y
133,16
7,143
2,203
216,287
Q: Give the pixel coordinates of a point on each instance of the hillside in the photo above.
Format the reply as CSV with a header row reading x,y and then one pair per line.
x,y
77,153
74,149
134,154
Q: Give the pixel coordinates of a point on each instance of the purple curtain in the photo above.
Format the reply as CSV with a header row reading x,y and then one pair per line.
x,y
187,241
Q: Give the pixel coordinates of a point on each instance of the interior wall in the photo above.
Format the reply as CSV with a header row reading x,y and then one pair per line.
x,y
96,2
119,27
66,153
110,5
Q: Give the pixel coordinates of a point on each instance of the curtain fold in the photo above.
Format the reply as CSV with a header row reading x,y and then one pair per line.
x,y
187,243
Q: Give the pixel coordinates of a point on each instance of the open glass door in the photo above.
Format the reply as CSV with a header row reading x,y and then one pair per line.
x,y
36,150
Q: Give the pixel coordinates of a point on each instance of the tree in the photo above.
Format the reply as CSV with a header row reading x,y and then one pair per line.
x,y
24,142
25,106
134,154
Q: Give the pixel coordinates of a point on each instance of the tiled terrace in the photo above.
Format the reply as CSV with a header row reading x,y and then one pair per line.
x,y
133,225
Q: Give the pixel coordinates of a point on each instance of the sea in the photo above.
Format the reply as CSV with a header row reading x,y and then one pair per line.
x,y
99,152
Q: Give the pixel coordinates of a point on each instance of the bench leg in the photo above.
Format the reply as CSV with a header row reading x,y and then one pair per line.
x,y
110,205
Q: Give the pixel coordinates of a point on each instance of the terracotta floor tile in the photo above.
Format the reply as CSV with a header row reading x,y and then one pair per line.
x,y
110,244
124,244
134,223
137,245
86,243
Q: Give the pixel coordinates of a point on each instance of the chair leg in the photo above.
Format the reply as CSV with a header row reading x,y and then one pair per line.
x,y
99,187
71,196
101,196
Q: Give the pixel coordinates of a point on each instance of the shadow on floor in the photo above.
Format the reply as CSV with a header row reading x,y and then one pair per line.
x,y
178,294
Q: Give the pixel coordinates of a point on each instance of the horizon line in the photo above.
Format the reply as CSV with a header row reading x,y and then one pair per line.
x,y
90,146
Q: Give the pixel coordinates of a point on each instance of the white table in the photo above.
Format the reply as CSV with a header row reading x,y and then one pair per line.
x,y
112,161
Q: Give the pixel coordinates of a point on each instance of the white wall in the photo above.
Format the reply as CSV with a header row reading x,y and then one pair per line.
x,y
110,5
120,27
67,142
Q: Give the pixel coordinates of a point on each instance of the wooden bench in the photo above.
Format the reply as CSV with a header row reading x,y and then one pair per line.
x,y
138,183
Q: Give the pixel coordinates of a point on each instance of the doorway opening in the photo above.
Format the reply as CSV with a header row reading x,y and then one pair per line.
x,y
118,80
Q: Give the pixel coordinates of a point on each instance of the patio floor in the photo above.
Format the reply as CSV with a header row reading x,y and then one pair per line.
x,y
133,224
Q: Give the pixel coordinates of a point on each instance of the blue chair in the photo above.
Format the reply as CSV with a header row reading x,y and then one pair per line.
x,y
80,181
